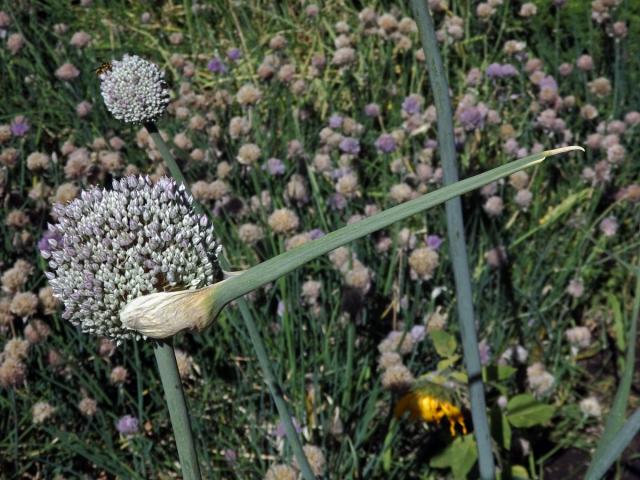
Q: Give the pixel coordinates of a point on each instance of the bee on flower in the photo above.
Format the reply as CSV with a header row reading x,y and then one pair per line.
x,y
431,402
103,68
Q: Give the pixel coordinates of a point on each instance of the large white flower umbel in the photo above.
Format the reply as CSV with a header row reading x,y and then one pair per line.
x,y
113,246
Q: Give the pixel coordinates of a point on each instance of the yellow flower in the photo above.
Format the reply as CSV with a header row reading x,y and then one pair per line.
x,y
429,408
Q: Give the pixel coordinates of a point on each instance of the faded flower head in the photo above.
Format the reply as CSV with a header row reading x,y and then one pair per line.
x,y
134,90
41,411
591,407
316,458
539,380
578,337
281,471
88,407
111,247
423,262
397,378
609,226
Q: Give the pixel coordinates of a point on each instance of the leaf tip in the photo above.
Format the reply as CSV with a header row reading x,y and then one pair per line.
x,y
556,151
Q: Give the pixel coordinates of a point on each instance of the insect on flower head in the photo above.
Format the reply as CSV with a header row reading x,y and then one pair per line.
x,y
103,68
431,402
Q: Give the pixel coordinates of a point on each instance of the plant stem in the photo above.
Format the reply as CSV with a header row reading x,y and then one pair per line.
x,y
14,441
250,325
168,368
139,388
159,143
273,385
457,246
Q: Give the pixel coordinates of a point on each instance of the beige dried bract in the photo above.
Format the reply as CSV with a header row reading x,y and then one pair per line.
x,y
163,314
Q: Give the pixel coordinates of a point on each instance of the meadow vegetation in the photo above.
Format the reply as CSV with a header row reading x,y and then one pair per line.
x,y
290,120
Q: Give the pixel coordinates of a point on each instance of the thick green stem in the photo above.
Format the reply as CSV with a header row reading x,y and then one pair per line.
x,y
457,246
140,394
250,325
168,368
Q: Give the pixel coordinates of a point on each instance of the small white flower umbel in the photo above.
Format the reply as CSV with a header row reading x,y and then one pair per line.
x,y
134,90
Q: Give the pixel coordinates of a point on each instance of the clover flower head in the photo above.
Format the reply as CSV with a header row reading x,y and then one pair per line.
x,y
111,247
128,425
19,126
335,121
134,90
386,143
274,166
234,54
471,117
412,104
496,70
350,146
372,110
216,65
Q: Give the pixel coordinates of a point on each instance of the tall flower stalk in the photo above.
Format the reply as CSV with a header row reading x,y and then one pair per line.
x,y
109,247
197,317
178,411
134,91
457,245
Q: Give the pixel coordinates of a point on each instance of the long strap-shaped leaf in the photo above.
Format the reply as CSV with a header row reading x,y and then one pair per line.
x,y
615,419
614,448
284,263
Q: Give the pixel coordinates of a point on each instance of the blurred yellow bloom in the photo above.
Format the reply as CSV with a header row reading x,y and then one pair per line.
x,y
426,407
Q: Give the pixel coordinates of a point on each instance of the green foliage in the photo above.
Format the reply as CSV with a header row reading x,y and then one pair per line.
x,y
460,456
327,358
444,343
500,428
525,411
